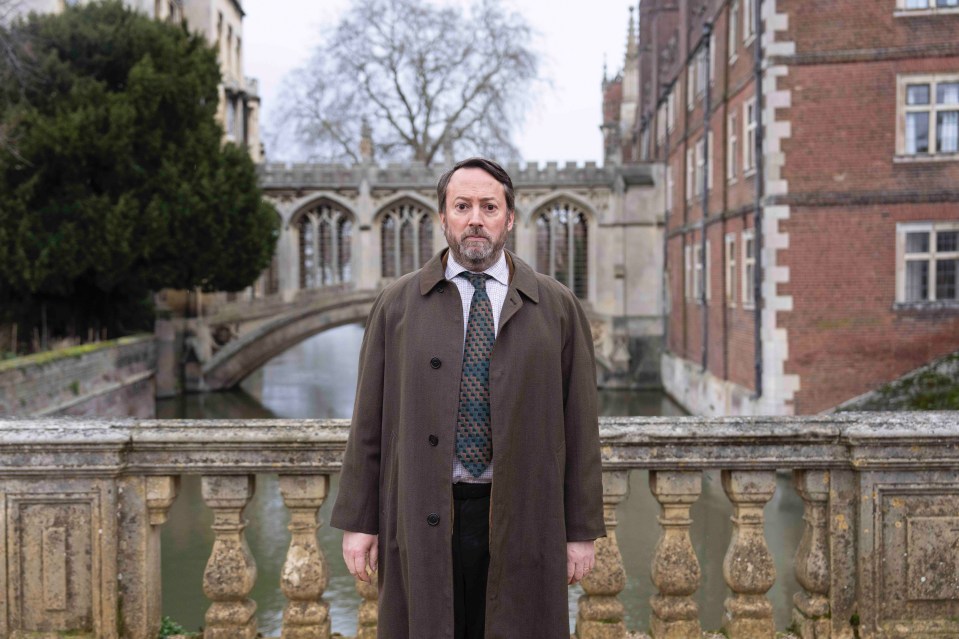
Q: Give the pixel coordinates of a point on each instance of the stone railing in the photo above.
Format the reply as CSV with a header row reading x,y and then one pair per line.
x,y
81,505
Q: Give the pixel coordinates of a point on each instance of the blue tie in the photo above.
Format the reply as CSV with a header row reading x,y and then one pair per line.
x,y
474,441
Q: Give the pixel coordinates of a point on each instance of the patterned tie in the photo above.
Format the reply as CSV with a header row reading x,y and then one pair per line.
x,y
474,441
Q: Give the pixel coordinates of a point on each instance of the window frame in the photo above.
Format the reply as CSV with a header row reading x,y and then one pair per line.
x,y
931,257
732,147
690,174
669,187
748,270
903,81
688,291
749,138
749,21
729,268
733,39
904,11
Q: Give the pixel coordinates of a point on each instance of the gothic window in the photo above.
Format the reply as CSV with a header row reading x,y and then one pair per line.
x,y
326,235
562,245
406,235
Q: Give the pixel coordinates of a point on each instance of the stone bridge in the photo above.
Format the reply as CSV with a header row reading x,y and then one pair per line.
x,y
82,504
346,229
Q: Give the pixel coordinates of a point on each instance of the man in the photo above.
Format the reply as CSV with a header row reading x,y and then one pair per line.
x,y
472,477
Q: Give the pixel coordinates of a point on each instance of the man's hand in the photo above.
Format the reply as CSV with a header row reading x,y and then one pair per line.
x,y
360,549
580,558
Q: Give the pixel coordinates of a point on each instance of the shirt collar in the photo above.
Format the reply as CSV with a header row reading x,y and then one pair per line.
x,y
498,271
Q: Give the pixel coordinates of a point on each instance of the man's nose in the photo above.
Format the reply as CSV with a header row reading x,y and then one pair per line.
x,y
475,217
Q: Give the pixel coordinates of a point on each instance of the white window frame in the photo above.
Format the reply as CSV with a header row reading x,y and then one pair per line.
x,y
691,85
932,256
908,8
902,82
690,177
730,269
688,273
710,153
749,21
661,123
749,138
733,31
701,279
702,71
669,187
712,57
749,267
732,147
671,110
700,167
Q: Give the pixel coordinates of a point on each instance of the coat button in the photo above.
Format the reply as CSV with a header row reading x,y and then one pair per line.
x,y
435,362
433,519
440,289
434,440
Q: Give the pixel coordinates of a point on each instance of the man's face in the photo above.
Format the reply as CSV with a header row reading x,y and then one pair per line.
x,y
476,221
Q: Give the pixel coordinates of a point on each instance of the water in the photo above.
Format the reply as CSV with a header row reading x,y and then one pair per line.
x,y
317,379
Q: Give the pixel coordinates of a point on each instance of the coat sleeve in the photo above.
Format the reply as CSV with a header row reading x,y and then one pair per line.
x,y
583,484
357,505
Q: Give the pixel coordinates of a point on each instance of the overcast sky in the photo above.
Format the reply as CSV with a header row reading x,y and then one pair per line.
x,y
573,37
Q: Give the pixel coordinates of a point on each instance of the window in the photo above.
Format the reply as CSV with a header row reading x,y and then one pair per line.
x,y
700,272
749,268
661,123
326,235
561,245
700,168
689,174
928,261
691,85
406,236
733,44
730,256
732,149
712,57
929,115
669,188
749,138
710,152
671,110
688,273
922,7
702,70
749,20
229,124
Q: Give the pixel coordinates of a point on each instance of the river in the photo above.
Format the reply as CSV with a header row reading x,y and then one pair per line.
x,y
317,379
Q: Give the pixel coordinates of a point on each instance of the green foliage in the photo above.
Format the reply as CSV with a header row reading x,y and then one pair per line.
x,y
168,627
120,184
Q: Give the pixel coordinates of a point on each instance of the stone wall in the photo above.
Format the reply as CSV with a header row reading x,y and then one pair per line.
x,y
108,379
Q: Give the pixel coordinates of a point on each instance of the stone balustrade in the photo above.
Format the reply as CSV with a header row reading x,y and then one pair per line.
x,y
82,503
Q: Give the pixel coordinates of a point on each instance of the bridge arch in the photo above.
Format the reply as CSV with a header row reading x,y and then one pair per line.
x,y
242,356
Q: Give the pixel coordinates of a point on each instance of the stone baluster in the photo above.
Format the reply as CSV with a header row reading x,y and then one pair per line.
x,y
748,565
304,576
231,571
811,611
675,568
368,614
601,613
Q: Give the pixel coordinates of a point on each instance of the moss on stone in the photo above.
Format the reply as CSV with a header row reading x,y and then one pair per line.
x,y
66,353
934,387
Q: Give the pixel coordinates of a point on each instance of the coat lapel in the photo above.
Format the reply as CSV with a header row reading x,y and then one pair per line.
x,y
522,283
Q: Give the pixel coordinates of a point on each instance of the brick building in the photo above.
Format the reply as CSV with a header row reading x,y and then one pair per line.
x,y
844,276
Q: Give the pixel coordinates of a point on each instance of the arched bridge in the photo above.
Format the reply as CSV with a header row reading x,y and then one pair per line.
x,y
264,332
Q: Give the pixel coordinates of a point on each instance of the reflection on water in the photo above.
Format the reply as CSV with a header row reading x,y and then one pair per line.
x,y
317,379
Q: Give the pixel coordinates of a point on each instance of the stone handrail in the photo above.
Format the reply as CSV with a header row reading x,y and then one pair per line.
x,y
81,503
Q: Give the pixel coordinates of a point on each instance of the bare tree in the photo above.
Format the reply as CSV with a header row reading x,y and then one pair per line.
x,y
15,65
429,81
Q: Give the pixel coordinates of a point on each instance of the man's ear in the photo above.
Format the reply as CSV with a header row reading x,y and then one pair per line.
x,y
510,220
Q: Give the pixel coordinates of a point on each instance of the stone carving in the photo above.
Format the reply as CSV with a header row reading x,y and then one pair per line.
x,y
304,576
161,493
231,571
369,613
811,612
675,569
748,565
601,613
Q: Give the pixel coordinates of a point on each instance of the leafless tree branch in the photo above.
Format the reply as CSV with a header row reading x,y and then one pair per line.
x,y
428,79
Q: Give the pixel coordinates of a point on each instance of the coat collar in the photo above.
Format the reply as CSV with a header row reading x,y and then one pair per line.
x,y
521,275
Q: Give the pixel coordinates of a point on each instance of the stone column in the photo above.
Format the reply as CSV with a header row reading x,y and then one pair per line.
x,y
675,568
601,613
369,611
748,566
161,492
811,611
304,576
231,571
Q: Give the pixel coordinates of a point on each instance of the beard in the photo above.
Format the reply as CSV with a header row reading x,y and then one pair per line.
x,y
477,256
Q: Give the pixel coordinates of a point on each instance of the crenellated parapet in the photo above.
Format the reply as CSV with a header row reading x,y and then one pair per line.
x,y
83,503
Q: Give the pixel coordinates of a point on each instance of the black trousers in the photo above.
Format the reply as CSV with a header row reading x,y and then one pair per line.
x,y
470,559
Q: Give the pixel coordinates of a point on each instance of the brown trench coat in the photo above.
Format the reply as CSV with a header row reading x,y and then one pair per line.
x,y
547,476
